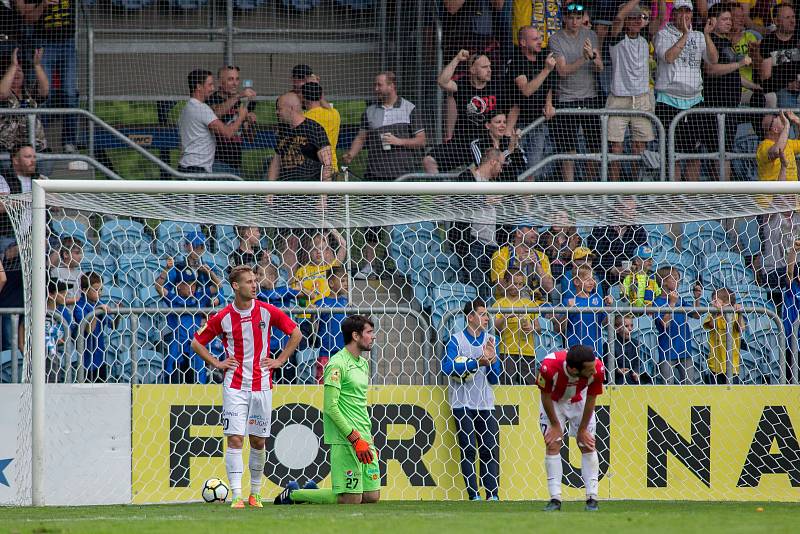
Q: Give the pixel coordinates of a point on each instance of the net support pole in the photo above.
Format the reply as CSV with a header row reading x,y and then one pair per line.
x,y
38,254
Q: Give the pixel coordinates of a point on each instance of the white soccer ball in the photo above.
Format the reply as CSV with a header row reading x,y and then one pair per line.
x,y
466,376
214,490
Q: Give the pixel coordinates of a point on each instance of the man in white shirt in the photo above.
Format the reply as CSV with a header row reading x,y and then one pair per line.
x,y
198,124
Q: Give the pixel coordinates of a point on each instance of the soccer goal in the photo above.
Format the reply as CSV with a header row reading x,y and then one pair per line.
x,y
681,289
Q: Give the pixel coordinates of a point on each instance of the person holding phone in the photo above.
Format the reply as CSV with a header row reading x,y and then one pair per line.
x,y
225,102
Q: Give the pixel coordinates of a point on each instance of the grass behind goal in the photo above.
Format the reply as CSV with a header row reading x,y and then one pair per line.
x,y
406,516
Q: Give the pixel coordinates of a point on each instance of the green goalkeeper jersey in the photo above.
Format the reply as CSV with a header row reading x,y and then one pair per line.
x,y
345,406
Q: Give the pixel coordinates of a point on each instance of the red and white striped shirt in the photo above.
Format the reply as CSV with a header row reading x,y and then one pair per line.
x,y
245,336
554,379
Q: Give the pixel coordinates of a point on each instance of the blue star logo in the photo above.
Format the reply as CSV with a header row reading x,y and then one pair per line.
x,y
3,465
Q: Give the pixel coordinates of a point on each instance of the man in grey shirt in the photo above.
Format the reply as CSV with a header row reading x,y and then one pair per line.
x,y
198,124
577,60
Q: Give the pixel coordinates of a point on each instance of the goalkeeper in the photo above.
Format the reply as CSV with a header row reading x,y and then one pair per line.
x,y
348,430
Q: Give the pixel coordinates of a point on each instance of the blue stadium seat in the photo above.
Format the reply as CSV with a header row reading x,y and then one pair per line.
x,y
188,4
684,262
171,237
248,5
762,338
645,332
6,366
702,238
726,269
70,228
100,264
227,240
448,296
132,5
547,341
754,296
301,5
748,236
123,236
115,295
659,239
149,367
749,370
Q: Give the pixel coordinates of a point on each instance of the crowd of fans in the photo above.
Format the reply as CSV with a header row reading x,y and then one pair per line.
x,y
663,58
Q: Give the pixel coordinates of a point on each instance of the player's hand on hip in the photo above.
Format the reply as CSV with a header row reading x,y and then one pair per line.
x,y
271,363
363,452
228,363
585,439
553,434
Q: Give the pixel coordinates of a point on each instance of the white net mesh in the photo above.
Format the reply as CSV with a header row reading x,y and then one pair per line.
x,y
546,287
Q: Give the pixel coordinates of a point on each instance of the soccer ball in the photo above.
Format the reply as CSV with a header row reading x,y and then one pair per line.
x,y
214,490
466,376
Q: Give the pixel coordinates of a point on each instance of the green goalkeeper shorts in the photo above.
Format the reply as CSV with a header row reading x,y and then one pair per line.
x,y
351,476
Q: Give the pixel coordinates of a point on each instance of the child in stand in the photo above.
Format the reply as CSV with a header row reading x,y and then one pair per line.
x,y
717,325
516,330
329,327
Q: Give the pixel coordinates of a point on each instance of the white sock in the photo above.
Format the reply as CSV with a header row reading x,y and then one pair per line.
x,y
555,471
234,467
256,464
590,469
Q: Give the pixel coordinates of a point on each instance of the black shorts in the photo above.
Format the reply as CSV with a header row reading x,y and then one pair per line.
x,y
689,133
564,129
457,153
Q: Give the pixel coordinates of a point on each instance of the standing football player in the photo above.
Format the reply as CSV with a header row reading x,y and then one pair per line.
x,y
355,474
245,327
570,382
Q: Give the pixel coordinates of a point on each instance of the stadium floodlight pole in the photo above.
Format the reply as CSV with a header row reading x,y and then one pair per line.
x,y
37,337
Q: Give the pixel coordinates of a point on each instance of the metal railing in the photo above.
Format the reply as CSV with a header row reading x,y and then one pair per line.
x,y
442,332
135,312
95,120
722,154
604,156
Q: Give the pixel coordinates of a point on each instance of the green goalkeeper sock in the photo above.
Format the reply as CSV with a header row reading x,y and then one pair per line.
x,y
314,496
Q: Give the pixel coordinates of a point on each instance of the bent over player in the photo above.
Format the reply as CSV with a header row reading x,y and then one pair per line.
x,y
355,473
564,378
245,327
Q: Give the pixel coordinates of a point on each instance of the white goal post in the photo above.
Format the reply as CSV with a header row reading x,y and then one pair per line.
x,y
594,203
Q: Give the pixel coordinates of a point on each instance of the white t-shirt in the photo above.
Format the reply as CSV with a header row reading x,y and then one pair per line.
x,y
682,78
630,65
199,145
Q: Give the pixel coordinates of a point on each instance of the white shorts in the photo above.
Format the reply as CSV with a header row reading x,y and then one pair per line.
x,y
246,413
569,417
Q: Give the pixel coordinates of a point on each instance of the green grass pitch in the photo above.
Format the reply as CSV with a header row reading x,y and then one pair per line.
x,y
416,517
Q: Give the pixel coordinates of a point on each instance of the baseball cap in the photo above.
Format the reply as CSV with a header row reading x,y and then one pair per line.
x,y
644,252
185,275
312,91
196,239
677,4
581,252
301,71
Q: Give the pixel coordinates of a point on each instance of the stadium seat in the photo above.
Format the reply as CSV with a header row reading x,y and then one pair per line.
x,y
449,296
749,370
754,296
248,5
100,264
726,269
748,236
226,238
659,239
547,341
132,5
683,261
762,336
301,5
171,237
71,228
116,296
645,332
702,238
149,367
6,366
123,236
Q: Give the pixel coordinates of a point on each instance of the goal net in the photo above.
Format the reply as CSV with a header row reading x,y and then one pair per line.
x,y
694,407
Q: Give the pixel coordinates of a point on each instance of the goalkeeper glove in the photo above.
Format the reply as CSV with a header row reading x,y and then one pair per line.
x,y
363,451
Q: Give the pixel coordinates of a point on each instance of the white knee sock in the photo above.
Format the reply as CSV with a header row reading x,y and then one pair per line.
x,y
555,471
590,469
234,467
256,464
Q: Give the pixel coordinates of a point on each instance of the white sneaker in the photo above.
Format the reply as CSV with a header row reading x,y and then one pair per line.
x,y
365,272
